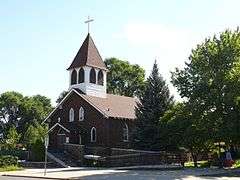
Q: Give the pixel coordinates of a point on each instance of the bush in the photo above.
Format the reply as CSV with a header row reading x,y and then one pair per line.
x,y
8,161
38,150
237,164
21,154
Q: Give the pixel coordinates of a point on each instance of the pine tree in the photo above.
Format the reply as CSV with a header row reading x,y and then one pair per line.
x,y
155,101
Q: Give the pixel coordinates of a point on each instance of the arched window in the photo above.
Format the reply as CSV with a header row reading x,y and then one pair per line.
x,y
81,114
93,76
74,77
125,132
100,77
81,76
93,134
71,115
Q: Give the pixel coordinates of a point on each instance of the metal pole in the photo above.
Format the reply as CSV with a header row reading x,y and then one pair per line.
x,y
45,164
46,141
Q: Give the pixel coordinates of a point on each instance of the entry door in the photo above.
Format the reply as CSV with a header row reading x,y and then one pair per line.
x,y
61,139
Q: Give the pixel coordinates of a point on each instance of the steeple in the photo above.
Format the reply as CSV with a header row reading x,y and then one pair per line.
x,y
88,71
88,55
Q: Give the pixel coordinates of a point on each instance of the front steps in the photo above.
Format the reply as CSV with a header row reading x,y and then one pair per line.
x,y
62,159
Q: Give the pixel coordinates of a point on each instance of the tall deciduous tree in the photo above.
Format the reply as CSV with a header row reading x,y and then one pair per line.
x,y
210,83
124,78
180,129
19,111
155,101
61,96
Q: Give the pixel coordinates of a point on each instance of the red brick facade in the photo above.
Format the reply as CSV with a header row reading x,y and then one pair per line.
x,y
109,131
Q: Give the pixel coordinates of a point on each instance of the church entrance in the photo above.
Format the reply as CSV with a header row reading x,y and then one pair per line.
x,y
61,139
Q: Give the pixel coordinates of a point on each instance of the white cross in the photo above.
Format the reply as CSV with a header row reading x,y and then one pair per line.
x,y
88,22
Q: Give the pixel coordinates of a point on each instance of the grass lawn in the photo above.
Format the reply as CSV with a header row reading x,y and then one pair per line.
x,y
10,168
200,164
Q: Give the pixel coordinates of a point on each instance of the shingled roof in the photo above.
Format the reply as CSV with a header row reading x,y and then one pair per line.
x,y
88,55
114,105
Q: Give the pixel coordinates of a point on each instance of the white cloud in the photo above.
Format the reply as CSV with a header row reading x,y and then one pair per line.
x,y
170,45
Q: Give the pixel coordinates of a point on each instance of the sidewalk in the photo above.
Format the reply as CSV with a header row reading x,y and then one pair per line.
x,y
59,173
117,174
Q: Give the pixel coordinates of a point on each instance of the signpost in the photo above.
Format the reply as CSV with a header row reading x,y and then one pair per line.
x,y
46,142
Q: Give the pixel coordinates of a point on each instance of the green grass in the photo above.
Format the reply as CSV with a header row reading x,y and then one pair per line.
x,y
10,168
201,164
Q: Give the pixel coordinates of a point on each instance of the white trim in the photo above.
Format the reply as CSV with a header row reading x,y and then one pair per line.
x,y
83,75
71,115
125,130
73,90
93,140
81,114
57,124
58,105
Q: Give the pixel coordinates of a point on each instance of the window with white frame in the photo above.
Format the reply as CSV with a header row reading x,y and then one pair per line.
x,y
93,134
81,114
71,115
67,139
125,132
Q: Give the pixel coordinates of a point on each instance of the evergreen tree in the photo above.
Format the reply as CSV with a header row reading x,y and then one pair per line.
x,y
155,101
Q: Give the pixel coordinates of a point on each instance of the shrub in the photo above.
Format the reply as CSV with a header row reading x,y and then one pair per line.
x,y
8,160
21,154
38,150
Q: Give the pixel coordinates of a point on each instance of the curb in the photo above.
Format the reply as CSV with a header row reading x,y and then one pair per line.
x,y
151,168
37,177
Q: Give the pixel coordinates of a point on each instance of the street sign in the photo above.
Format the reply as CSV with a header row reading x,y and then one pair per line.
x,y
46,141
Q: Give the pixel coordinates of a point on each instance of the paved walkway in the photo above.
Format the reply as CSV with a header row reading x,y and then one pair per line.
x,y
86,173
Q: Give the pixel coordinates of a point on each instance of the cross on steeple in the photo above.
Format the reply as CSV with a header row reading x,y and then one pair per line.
x,y
88,22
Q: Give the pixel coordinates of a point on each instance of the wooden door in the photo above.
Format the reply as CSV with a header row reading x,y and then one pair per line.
x,y
61,139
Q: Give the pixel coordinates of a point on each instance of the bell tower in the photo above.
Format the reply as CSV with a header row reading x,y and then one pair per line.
x,y
87,71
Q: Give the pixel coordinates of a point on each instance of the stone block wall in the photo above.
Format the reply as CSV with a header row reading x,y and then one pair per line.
x,y
112,157
76,151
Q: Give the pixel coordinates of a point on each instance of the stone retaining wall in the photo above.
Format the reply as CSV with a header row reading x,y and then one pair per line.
x,y
76,151
122,157
37,164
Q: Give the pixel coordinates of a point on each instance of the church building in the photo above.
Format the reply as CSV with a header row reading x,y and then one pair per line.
x,y
88,115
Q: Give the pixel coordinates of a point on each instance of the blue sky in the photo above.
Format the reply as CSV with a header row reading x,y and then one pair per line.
x,y
39,39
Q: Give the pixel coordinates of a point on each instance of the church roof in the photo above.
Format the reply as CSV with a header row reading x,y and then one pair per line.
x,y
88,55
114,105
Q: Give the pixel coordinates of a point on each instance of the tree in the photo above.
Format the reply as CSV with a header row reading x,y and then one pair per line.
x,y
124,78
9,105
61,96
34,132
19,111
156,100
180,130
12,139
34,139
210,84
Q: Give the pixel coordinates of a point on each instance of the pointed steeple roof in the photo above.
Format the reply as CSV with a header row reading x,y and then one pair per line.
x,y
88,55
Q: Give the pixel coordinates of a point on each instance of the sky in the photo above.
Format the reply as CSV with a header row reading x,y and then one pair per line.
x,y
39,39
